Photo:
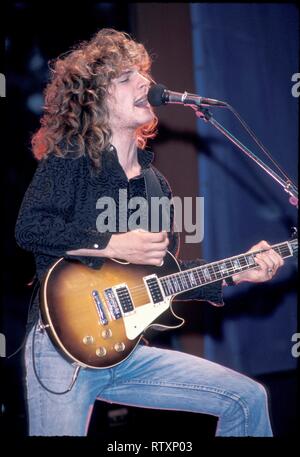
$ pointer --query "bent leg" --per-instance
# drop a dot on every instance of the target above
(166, 379)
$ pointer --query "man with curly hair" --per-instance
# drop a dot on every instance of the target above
(91, 144)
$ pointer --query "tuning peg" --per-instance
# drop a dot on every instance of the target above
(294, 233)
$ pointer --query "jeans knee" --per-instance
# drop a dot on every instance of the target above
(247, 411)
(249, 399)
(258, 394)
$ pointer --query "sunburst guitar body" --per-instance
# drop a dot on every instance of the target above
(97, 317)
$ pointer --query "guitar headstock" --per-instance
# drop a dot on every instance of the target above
(294, 233)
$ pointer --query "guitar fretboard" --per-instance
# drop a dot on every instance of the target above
(216, 271)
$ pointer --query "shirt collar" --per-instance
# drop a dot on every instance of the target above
(110, 157)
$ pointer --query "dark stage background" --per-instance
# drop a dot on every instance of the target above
(244, 54)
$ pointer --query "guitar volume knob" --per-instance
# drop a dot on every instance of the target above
(88, 339)
(101, 352)
(107, 333)
(119, 347)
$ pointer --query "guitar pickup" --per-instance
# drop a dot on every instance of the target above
(124, 298)
(154, 289)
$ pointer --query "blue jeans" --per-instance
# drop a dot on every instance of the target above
(150, 377)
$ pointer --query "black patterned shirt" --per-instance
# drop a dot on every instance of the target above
(59, 213)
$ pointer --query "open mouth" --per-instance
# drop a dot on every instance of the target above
(141, 102)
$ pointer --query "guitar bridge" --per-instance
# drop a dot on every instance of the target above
(100, 307)
(112, 304)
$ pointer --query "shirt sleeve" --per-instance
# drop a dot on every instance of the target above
(213, 293)
(45, 222)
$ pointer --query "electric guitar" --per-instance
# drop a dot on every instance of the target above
(97, 317)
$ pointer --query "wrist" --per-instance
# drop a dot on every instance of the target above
(109, 250)
(115, 246)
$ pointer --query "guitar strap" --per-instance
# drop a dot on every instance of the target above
(159, 216)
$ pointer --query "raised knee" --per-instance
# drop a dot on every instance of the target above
(250, 396)
(259, 394)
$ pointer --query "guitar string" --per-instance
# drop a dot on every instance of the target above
(183, 276)
(198, 270)
(142, 290)
(139, 291)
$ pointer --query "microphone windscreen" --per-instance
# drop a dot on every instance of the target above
(155, 95)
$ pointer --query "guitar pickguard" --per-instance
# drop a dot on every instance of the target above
(142, 317)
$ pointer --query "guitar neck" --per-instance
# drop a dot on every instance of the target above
(212, 272)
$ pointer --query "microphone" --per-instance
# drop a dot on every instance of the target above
(160, 95)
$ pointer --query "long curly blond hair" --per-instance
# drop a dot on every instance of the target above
(75, 118)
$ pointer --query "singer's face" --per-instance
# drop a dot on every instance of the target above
(127, 102)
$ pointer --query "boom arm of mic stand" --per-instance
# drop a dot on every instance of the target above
(288, 186)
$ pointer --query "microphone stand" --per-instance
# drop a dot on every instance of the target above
(287, 185)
